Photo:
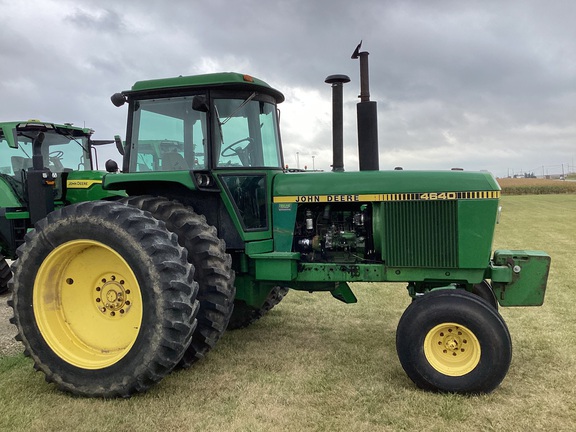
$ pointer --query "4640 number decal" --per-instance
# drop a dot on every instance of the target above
(439, 196)
(459, 195)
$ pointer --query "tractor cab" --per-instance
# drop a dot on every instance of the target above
(43, 166)
(65, 148)
(175, 134)
(217, 131)
(205, 122)
(57, 149)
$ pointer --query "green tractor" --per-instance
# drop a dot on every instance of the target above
(215, 230)
(65, 173)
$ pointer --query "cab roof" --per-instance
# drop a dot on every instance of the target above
(35, 124)
(11, 128)
(228, 80)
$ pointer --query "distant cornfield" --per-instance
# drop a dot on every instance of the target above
(532, 186)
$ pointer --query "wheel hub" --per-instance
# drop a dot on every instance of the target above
(452, 344)
(452, 349)
(112, 297)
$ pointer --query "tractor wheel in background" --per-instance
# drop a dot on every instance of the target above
(5, 275)
(103, 298)
(453, 341)
(244, 315)
(213, 271)
(484, 291)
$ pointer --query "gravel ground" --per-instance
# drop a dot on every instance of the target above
(8, 345)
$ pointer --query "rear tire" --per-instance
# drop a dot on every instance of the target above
(213, 271)
(104, 299)
(5, 275)
(453, 341)
(244, 315)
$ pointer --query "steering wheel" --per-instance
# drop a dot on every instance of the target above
(238, 151)
(55, 160)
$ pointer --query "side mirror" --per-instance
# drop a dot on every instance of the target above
(111, 166)
(118, 99)
(199, 103)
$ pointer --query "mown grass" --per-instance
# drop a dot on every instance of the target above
(316, 364)
(532, 186)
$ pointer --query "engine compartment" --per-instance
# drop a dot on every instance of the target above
(334, 232)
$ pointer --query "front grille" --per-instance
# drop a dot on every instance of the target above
(421, 233)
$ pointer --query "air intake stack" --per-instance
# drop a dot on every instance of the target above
(337, 82)
(367, 115)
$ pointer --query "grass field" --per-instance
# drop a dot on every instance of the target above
(316, 364)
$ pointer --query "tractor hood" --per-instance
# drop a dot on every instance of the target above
(351, 186)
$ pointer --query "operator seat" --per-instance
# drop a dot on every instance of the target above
(20, 163)
(173, 161)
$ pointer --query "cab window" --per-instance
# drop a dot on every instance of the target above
(168, 135)
(246, 133)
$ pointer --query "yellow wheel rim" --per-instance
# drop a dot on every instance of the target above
(87, 304)
(452, 349)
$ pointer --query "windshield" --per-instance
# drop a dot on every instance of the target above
(246, 133)
(167, 135)
(60, 152)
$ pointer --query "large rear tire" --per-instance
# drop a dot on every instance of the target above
(213, 271)
(104, 299)
(244, 315)
(5, 275)
(453, 341)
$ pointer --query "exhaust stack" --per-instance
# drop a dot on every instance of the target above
(367, 115)
(337, 82)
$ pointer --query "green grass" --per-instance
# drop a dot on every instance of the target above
(316, 364)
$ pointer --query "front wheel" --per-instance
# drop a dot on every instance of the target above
(484, 290)
(103, 298)
(453, 341)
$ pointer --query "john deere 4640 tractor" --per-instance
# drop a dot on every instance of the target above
(42, 166)
(110, 297)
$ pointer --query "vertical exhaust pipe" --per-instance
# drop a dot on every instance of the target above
(37, 159)
(40, 184)
(367, 115)
(337, 82)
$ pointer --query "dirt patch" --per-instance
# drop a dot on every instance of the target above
(8, 345)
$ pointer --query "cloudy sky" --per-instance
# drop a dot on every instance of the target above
(481, 85)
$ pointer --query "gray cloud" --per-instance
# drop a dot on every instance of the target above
(479, 84)
(105, 20)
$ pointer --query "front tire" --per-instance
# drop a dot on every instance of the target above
(103, 298)
(453, 341)
(484, 291)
